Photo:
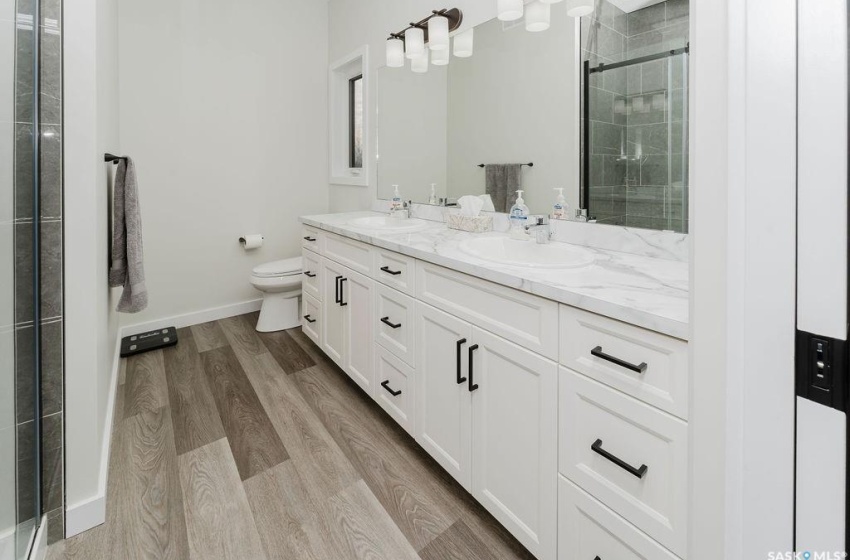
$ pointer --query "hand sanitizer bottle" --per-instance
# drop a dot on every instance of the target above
(518, 216)
(433, 198)
(396, 204)
(559, 210)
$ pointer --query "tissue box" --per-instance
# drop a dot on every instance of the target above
(472, 224)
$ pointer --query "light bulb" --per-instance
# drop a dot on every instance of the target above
(537, 15)
(510, 10)
(440, 58)
(438, 33)
(395, 53)
(579, 8)
(420, 63)
(463, 43)
(414, 42)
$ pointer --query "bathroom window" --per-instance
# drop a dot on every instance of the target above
(355, 122)
(349, 119)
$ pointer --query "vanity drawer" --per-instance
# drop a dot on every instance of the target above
(395, 388)
(355, 255)
(524, 319)
(395, 319)
(310, 237)
(587, 529)
(663, 381)
(599, 426)
(311, 281)
(396, 270)
(311, 318)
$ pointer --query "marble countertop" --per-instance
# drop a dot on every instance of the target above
(644, 291)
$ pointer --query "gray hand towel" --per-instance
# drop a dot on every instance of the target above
(501, 181)
(127, 252)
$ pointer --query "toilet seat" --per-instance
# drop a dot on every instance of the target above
(277, 269)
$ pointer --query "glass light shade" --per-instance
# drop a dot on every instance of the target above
(438, 33)
(440, 58)
(510, 10)
(414, 42)
(395, 53)
(579, 8)
(420, 63)
(537, 16)
(463, 43)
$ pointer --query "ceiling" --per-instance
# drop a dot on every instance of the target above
(632, 5)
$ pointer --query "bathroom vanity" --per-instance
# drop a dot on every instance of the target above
(554, 391)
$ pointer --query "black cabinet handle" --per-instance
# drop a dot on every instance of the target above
(337, 298)
(597, 558)
(386, 385)
(386, 321)
(308, 238)
(460, 343)
(600, 354)
(342, 292)
(309, 274)
(472, 385)
(639, 472)
(309, 320)
(388, 271)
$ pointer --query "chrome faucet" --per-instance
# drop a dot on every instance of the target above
(538, 226)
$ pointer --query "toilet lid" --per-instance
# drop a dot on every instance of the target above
(285, 267)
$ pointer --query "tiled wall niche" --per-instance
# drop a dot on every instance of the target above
(49, 223)
(638, 116)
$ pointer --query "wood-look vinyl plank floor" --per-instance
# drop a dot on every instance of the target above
(193, 410)
(218, 518)
(222, 448)
(253, 440)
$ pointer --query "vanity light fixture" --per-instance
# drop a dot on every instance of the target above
(438, 33)
(579, 8)
(510, 10)
(537, 16)
(440, 58)
(463, 43)
(420, 63)
(395, 52)
(432, 31)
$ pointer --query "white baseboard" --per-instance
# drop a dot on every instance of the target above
(90, 513)
(196, 318)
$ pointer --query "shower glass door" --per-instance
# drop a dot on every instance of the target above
(636, 167)
(20, 500)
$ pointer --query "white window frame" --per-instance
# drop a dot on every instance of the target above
(350, 66)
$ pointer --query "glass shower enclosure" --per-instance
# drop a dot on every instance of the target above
(20, 431)
(635, 135)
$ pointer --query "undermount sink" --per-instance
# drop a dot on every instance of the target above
(385, 223)
(513, 252)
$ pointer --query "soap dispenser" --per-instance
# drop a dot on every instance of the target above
(518, 216)
(395, 204)
(432, 200)
(559, 210)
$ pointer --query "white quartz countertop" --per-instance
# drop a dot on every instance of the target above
(644, 291)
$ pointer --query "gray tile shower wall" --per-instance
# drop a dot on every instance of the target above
(638, 114)
(50, 227)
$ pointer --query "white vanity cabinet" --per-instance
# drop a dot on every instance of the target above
(544, 412)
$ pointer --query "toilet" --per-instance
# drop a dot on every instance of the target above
(280, 282)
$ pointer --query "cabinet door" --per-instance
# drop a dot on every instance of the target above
(357, 292)
(515, 439)
(333, 323)
(442, 404)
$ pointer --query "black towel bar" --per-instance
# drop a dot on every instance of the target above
(530, 164)
(111, 158)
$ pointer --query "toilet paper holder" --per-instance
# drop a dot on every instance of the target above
(244, 241)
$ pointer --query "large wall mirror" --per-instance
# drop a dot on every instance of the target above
(523, 97)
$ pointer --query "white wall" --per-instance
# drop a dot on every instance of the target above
(355, 23)
(224, 110)
(91, 128)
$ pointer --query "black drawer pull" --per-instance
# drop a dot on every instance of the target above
(309, 274)
(336, 292)
(600, 354)
(386, 385)
(460, 343)
(342, 292)
(309, 319)
(310, 239)
(388, 271)
(472, 385)
(386, 321)
(597, 448)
